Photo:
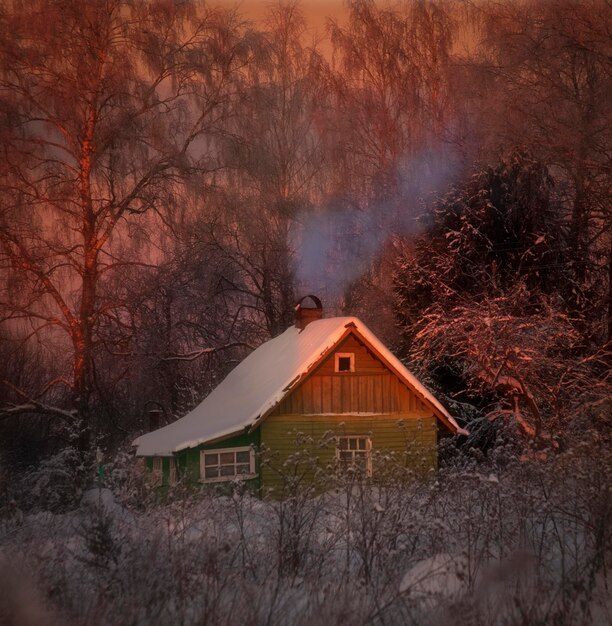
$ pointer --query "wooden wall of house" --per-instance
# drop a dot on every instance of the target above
(370, 401)
(188, 460)
(371, 388)
(411, 439)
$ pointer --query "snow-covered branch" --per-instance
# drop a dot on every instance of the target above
(196, 354)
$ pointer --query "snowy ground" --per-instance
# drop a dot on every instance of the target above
(517, 543)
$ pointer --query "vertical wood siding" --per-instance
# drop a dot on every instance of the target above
(351, 393)
(371, 388)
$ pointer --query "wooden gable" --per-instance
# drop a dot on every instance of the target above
(371, 388)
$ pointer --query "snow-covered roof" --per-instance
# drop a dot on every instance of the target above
(259, 383)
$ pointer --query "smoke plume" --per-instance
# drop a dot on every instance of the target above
(336, 243)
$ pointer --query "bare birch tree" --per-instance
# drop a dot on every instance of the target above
(105, 106)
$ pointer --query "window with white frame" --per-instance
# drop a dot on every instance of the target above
(344, 362)
(157, 471)
(355, 452)
(227, 464)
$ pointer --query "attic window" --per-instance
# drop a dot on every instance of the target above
(344, 362)
(227, 464)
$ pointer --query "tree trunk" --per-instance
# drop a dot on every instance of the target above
(83, 332)
(610, 295)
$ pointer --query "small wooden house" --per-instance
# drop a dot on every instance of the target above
(320, 376)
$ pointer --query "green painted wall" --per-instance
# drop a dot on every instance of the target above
(188, 460)
(412, 438)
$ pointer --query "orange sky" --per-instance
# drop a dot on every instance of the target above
(315, 11)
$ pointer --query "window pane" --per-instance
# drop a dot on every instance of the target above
(362, 444)
(346, 456)
(227, 458)
(343, 443)
(228, 470)
(243, 469)
(353, 444)
(211, 472)
(211, 459)
(344, 364)
(243, 457)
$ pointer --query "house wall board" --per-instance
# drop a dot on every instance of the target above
(371, 388)
(188, 460)
(411, 437)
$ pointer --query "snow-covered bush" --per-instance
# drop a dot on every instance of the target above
(127, 478)
(486, 540)
(57, 483)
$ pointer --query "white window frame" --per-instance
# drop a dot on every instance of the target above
(344, 355)
(157, 471)
(219, 451)
(367, 451)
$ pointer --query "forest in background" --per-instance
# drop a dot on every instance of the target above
(173, 178)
